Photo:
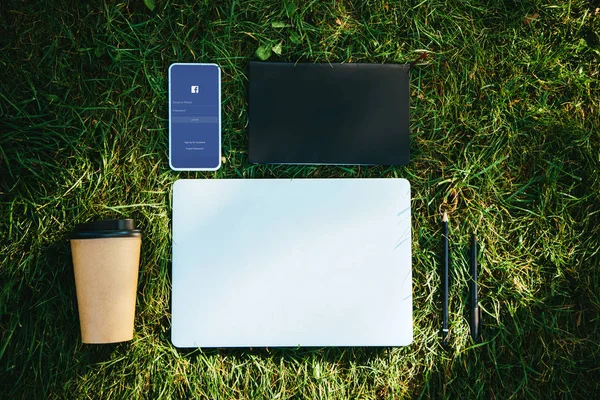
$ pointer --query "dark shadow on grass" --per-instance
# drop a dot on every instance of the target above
(475, 363)
(43, 326)
(344, 357)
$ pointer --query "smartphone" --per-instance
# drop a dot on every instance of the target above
(194, 117)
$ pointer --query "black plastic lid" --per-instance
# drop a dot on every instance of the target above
(107, 228)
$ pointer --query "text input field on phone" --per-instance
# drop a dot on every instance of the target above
(189, 109)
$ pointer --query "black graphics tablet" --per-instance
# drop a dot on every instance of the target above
(328, 113)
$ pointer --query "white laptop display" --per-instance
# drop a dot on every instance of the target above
(306, 262)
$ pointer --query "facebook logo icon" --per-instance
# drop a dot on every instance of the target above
(195, 89)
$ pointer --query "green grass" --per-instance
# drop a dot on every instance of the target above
(504, 133)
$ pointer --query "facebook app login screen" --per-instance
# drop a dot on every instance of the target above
(194, 116)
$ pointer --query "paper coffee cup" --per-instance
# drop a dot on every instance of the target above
(106, 258)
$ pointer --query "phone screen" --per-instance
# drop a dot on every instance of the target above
(194, 117)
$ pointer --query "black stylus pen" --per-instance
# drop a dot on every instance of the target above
(445, 280)
(475, 311)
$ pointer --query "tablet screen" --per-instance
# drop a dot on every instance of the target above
(329, 113)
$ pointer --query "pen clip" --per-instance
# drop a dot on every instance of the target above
(479, 321)
(476, 324)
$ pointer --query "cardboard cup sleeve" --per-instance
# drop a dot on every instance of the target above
(106, 258)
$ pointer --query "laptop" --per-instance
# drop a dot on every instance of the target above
(302, 262)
